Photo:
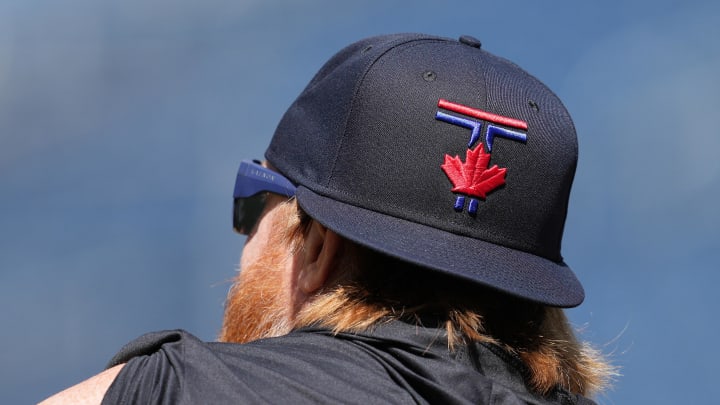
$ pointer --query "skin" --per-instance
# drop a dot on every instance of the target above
(304, 273)
(90, 391)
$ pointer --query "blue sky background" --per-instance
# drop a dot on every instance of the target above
(122, 124)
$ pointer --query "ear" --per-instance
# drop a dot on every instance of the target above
(320, 256)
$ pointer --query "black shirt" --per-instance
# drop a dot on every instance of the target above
(395, 363)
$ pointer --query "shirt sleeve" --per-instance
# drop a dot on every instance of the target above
(153, 371)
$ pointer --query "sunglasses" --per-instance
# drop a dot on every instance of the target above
(252, 184)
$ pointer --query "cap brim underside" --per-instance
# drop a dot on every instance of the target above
(513, 271)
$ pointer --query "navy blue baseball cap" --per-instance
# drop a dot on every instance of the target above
(439, 153)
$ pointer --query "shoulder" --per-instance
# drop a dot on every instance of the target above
(308, 367)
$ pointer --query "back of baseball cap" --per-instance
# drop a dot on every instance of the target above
(439, 153)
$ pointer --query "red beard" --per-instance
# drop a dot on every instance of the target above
(259, 304)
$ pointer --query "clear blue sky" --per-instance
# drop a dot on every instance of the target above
(122, 124)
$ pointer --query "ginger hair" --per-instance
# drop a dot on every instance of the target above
(368, 288)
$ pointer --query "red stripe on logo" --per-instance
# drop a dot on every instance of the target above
(483, 115)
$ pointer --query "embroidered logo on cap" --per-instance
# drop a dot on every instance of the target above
(474, 178)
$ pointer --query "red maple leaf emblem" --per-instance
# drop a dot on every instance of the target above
(473, 178)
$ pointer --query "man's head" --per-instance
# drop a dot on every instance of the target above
(415, 175)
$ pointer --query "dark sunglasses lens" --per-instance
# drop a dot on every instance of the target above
(247, 212)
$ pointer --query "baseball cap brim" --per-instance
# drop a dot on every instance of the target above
(512, 271)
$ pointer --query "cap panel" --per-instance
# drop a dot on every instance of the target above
(308, 136)
(545, 166)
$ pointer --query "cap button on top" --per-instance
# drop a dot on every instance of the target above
(470, 41)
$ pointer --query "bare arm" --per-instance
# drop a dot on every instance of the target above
(90, 391)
